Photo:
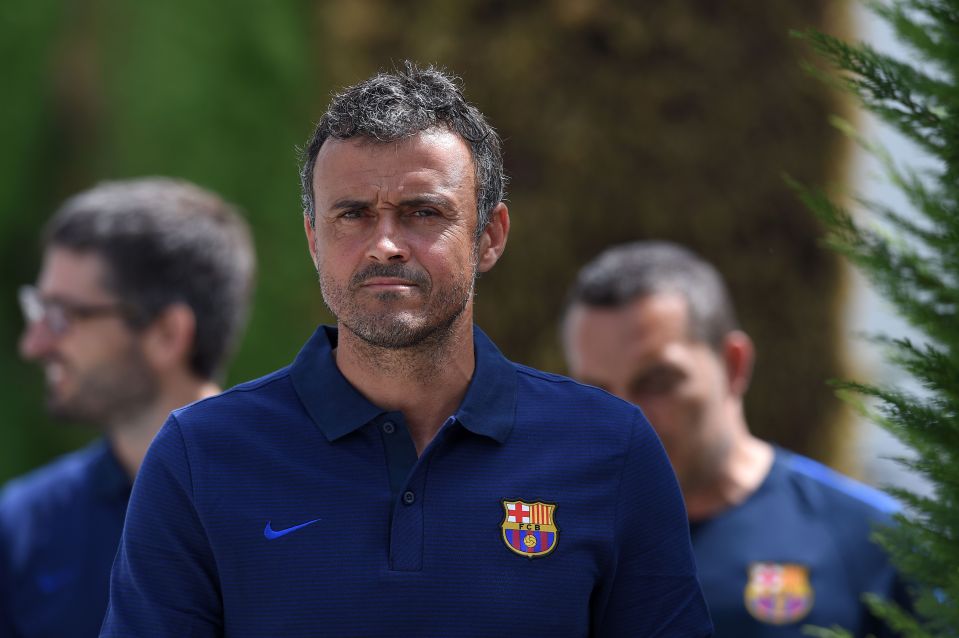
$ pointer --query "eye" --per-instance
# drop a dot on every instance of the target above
(351, 214)
(423, 212)
(656, 382)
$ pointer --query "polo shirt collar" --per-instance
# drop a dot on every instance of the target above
(489, 406)
(337, 408)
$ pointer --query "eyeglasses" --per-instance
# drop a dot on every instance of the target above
(59, 315)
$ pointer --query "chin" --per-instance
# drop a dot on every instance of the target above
(393, 338)
(62, 409)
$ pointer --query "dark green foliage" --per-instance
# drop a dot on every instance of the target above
(914, 262)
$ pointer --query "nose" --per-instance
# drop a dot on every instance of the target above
(36, 341)
(388, 244)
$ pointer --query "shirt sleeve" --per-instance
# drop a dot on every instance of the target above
(652, 589)
(164, 581)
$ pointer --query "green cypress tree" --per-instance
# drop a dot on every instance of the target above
(912, 257)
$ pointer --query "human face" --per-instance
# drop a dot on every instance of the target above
(394, 240)
(642, 352)
(95, 368)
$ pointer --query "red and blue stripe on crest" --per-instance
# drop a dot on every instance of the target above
(544, 540)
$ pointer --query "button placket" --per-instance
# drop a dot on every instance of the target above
(400, 452)
(406, 535)
(407, 532)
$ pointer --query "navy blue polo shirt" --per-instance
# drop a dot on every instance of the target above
(59, 530)
(797, 552)
(292, 506)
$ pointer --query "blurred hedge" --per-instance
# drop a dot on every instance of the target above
(621, 121)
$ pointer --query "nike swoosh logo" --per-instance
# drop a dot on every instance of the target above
(272, 534)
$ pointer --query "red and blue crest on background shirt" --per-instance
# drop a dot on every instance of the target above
(778, 593)
(529, 529)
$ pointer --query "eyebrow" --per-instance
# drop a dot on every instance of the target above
(349, 204)
(438, 201)
(428, 199)
(61, 298)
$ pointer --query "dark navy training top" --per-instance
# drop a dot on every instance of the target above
(292, 506)
(59, 530)
(796, 552)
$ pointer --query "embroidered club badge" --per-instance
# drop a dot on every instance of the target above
(778, 593)
(529, 529)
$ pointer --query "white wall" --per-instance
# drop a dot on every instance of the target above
(866, 311)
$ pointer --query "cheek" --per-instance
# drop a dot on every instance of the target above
(676, 416)
(452, 241)
(664, 414)
(340, 241)
(334, 262)
(447, 261)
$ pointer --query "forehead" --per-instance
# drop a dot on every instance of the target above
(606, 338)
(432, 160)
(71, 274)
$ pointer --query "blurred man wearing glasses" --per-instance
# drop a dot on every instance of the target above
(143, 292)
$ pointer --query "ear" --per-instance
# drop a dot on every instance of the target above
(493, 240)
(310, 237)
(738, 356)
(168, 340)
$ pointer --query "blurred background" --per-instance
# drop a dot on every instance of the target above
(621, 121)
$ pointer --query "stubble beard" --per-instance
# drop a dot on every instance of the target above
(705, 465)
(108, 395)
(402, 330)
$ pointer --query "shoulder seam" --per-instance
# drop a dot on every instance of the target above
(845, 485)
(248, 386)
(542, 374)
(175, 423)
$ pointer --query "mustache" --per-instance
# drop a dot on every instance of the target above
(397, 271)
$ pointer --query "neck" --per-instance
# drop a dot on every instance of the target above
(736, 476)
(131, 438)
(425, 382)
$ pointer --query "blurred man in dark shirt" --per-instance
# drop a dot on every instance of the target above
(780, 540)
(142, 295)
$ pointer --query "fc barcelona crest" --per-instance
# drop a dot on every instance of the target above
(529, 528)
(778, 593)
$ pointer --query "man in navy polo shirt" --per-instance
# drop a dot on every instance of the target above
(780, 540)
(402, 478)
(143, 292)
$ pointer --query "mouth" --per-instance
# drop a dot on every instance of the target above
(54, 373)
(390, 279)
(55, 377)
(387, 283)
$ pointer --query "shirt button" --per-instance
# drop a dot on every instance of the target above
(408, 497)
(389, 427)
